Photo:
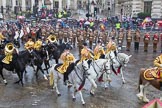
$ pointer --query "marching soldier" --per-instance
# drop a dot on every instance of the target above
(9, 48)
(99, 51)
(129, 39)
(68, 64)
(74, 38)
(90, 39)
(113, 34)
(85, 53)
(136, 40)
(65, 35)
(80, 43)
(146, 40)
(120, 39)
(155, 41)
(60, 36)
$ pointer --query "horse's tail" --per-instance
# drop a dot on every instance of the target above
(51, 76)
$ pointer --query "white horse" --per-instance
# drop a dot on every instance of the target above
(77, 77)
(118, 62)
(102, 72)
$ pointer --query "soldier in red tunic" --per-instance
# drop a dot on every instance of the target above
(146, 40)
(155, 40)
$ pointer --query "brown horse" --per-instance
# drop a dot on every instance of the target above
(148, 77)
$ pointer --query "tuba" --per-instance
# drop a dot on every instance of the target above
(52, 38)
(9, 48)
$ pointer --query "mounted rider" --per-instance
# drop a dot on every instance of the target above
(29, 45)
(99, 51)
(111, 46)
(38, 44)
(158, 64)
(68, 64)
(86, 53)
(9, 48)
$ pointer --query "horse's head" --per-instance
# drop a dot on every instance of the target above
(86, 65)
(124, 58)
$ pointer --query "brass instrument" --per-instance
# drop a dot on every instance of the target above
(52, 38)
(9, 47)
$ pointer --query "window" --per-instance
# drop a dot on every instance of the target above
(147, 6)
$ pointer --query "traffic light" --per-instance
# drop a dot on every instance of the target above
(15, 10)
(2, 9)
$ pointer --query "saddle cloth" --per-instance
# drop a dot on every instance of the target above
(152, 73)
(59, 68)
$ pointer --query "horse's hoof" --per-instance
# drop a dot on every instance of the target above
(59, 95)
(74, 99)
(123, 82)
(106, 88)
(6, 83)
(140, 97)
(92, 94)
(146, 100)
(83, 103)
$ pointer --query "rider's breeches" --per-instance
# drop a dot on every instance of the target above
(68, 71)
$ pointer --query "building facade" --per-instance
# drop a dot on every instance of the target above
(133, 7)
(25, 5)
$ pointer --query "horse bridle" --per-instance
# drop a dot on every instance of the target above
(105, 69)
(85, 73)
(119, 61)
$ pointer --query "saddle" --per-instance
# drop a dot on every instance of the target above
(57, 68)
(152, 74)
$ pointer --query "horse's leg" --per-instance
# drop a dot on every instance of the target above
(145, 99)
(57, 91)
(74, 93)
(122, 76)
(81, 97)
(141, 94)
(93, 87)
(47, 65)
(4, 80)
(21, 79)
(40, 68)
(56, 60)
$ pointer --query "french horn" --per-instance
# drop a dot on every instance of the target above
(52, 38)
(9, 47)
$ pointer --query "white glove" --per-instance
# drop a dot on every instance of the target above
(161, 65)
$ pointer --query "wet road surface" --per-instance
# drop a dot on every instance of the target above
(38, 93)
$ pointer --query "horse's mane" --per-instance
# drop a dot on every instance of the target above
(22, 54)
(122, 55)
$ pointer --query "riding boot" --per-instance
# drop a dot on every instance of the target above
(161, 85)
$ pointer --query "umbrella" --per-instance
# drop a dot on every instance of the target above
(59, 20)
(44, 6)
(20, 17)
(87, 23)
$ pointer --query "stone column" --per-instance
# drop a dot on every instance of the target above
(60, 5)
(52, 3)
(4, 5)
(13, 4)
(23, 5)
(32, 4)
(68, 4)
